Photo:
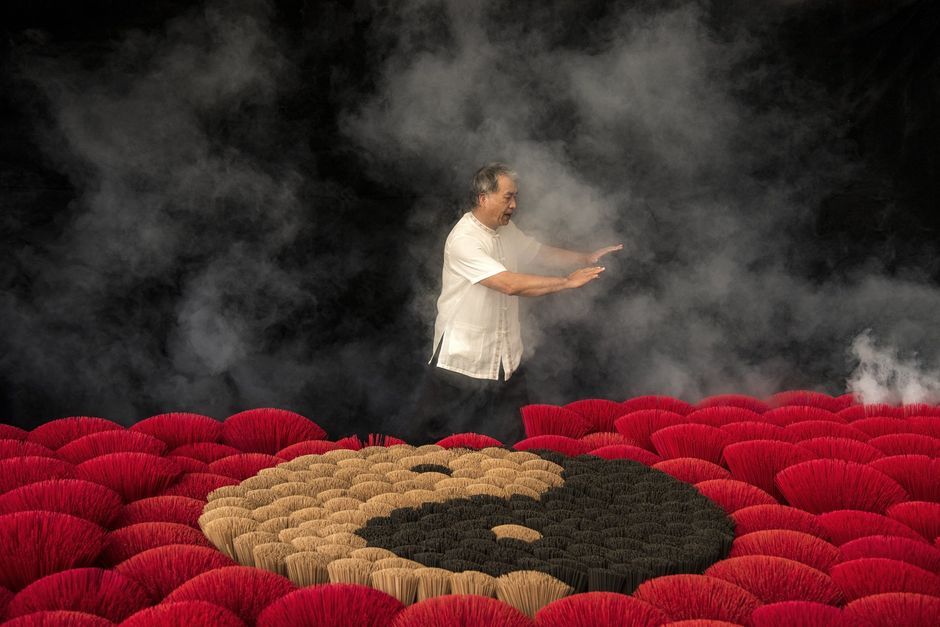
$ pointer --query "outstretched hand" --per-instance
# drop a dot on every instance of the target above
(583, 275)
(595, 256)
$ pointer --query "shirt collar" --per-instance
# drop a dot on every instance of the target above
(474, 219)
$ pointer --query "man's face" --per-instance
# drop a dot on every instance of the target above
(497, 207)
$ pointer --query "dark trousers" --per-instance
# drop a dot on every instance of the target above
(449, 402)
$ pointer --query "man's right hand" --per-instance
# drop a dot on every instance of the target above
(582, 276)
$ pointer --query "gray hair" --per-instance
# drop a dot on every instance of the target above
(486, 180)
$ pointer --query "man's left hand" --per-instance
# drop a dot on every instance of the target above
(594, 257)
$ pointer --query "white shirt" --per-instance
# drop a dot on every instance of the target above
(479, 325)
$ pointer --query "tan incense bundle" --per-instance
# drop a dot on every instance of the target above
(350, 570)
(543, 465)
(367, 489)
(341, 503)
(395, 562)
(374, 509)
(359, 462)
(300, 463)
(532, 483)
(270, 556)
(275, 471)
(307, 568)
(473, 582)
(432, 582)
(505, 464)
(223, 531)
(411, 461)
(425, 449)
(409, 484)
(428, 480)
(275, 525)
(344, 537)
(332, 528)
(399, 474)
(314, 526)
(373, 451)
(364, 477)
(322, 484)
(260, 482)
(503, 473)
(295, 502)
(552, 479)
(292, 533)
(302, 476)
(471, 472)
(267, 512)
(444, 494)
(245, 545)
(305, 542)
(470, 460)
(335, 551)
(223, 512)
(384, 467)
(318, 471)
(496, 451)
(349, 516)
(530, 590)
(308, 513)
(398, 582)
(226, 491)
(437, 495)
(517, 532)
(499, 482)
(333, 493)
(261, 496)
(294, 488)
(414, 498)
(228, 501)
(372, 553)
(521, 457)
(340, 453)
(349, 474)
(398, 453)
(456, 482)
(392, 498)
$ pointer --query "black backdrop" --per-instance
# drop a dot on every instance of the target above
(223, 205)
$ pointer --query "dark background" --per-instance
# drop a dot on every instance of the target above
(215, 206)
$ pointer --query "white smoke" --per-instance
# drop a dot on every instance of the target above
(638, 136)
(884, 376)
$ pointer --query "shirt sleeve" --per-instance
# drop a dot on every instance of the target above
(527, 245)
(468, 259)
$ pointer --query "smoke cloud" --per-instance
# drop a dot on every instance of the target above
(183, 276)
(655, 128)
(882, 376)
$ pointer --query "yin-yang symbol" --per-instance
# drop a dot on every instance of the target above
(592, 523)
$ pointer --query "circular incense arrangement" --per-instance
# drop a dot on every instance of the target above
(527, 527)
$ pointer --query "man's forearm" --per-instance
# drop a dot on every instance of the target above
(538, 285)
(560, 258)
(518, 284)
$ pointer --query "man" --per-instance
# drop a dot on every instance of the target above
(474, 383)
